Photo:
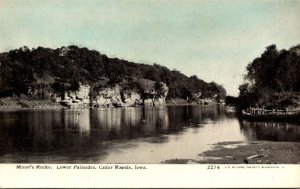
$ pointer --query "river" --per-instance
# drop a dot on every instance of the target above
(127, 135)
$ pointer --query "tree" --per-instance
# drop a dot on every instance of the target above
(272, 73)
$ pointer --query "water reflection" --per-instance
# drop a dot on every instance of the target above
(120, 135)
(271, 131)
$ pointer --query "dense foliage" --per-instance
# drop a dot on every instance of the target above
(63, 68)
(271, 78)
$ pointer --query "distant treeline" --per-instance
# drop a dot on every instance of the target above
(21, 68)
(272, 80)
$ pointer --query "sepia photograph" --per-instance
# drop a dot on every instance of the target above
(142, 85)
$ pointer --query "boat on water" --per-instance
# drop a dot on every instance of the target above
(274, 115)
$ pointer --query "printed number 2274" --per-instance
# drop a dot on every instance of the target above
(213, 167)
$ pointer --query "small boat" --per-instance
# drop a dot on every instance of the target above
(265, 115)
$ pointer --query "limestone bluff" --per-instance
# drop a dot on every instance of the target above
(76, 76)
(150, 93)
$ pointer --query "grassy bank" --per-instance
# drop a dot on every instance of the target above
(11, 104)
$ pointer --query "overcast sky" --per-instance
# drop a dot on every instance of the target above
(214, 40)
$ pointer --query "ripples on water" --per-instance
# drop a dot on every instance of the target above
(126, 135)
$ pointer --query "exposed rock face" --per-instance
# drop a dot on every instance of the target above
(158, 101)
(132, 98)
(108, 97)
(155, 95)
(196, 96)
(80, 97)
(152, 95)
(83, 93)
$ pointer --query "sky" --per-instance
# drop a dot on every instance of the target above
(213, 39)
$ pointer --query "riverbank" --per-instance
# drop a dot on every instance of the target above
(16, 104)
(258, 152)
(10, 104)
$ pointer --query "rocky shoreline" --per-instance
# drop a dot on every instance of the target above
(49, 105)
(256, 152)
(150, 93)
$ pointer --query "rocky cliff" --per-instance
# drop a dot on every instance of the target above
(150, 93)
(44, 73)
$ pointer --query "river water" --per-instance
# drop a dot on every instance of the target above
(127, 135)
